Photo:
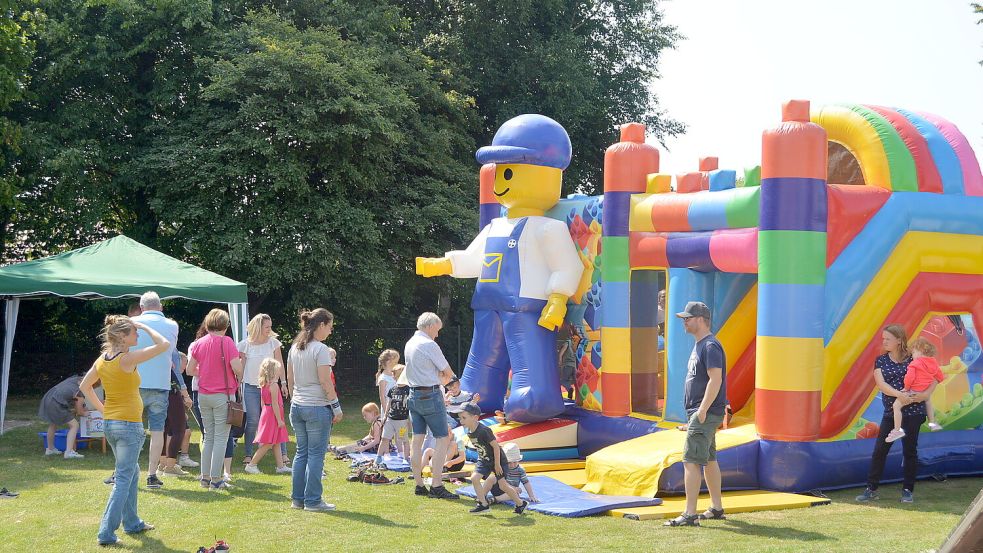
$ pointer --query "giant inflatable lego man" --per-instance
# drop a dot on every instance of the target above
(527, 267)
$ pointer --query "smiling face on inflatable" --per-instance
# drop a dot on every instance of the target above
(518, 185)
(530, 152)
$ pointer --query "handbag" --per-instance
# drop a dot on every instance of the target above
(235, 414)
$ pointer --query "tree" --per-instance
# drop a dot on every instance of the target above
(589, 64)
(18, 21)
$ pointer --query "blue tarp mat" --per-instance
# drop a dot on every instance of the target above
(559, 499)
(393, 462)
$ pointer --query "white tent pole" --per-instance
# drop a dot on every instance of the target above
(11, 307)
(239, 317)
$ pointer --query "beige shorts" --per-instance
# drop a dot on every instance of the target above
(395, 429)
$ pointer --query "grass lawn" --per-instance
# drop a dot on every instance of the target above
(61, 504)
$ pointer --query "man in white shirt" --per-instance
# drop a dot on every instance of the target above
(527, 268)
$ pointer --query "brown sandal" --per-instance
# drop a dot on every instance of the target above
(713, 514)
(683, 520)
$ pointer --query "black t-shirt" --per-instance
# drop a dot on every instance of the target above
(481, 438)
(398, 396)
(707, 353)
(893, 374)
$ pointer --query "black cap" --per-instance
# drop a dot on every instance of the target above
(471, 408)
(695, 309)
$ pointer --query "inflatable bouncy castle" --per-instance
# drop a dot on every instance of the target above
(801, 272)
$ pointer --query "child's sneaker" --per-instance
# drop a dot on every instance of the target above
(934, 426)
(50, 452)
(72, 454)
(227, 477)
(186, 461)
(252, 469)
(894, 435)
(479, 508)
(220, 485)
(907, 496)
(111, 480)
(519, 509)
(284, 470)
(421, 490)
(154, 483)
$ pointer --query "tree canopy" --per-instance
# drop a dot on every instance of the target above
(310, 148)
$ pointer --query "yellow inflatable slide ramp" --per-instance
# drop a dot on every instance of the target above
(734, 502)
(633, 467)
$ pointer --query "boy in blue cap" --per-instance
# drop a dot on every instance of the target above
(527, 268)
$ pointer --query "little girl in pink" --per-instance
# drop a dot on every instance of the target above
(922, 370)
(272, 429)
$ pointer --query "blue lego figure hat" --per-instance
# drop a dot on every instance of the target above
(531, 139)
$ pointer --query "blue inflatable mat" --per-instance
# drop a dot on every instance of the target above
(559, 499)
(393, 462)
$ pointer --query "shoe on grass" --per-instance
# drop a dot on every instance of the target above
(421, 490)
(220, 485)
(297, 504)
(50, 452)
(284, 470)
(440, 492)
(479, 508)
(521, 508)
(72, 454)
(868, 495)
(7, 494)
(154, 483)
(321, 507)
(110, 480)
(252, 469)
(174, 471)
(187, 462)
(907, 496)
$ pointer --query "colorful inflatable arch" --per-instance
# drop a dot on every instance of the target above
(801, 274)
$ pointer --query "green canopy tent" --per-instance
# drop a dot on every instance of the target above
(115, 268)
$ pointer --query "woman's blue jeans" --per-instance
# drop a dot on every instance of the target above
(312, 426)
(126, 440)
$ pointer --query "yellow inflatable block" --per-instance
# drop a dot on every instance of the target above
(772, 372)
(734, 502)
(634, 467)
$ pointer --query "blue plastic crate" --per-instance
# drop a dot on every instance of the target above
(61, 436)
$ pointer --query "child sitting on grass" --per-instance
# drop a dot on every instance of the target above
(921, 371)
(370, 412)
(272, 429)
(455, 459)
(488, 470)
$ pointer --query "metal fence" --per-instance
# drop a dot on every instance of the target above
(359, 348)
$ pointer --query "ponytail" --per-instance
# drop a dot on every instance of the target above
(309, 322)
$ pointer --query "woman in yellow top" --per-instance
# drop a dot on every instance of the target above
(123, 417)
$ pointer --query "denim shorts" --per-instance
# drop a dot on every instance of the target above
(155, 404)
(484, 468)
(701, 439)
(427, 411)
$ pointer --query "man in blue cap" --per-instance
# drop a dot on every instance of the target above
(527, 268)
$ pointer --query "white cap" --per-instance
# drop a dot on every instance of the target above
(512, 452)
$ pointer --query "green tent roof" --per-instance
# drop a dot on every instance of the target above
(115, 268)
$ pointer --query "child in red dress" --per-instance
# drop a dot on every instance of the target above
(921, 371)
(272, 429)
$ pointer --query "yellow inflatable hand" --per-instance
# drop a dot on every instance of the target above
(433, 266)
(554, 312)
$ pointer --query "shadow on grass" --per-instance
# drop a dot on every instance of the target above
(253, 490)
(518, 521)
(368, 518)
(945, 497)
(782, 532)
(150, 543)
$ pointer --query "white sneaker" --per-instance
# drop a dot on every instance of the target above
(895, 435)
(284, 470)
(252, 469)
(227, 477)
(72, 454)
(934, 426)
(50, 452)
(186, 461)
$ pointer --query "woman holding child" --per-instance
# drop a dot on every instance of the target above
(889, 374)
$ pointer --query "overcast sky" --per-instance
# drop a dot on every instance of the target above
(741, 60)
